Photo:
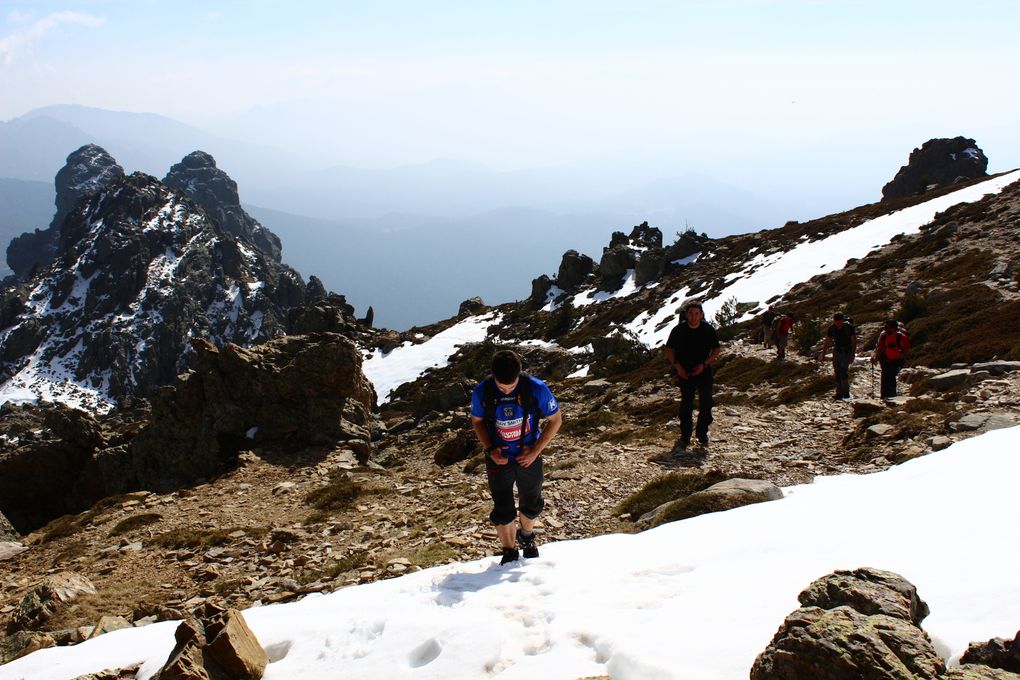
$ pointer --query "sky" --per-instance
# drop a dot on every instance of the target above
(700, 598)
(736, 88)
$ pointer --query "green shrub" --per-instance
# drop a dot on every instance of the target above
(617, 354)
(807, 333)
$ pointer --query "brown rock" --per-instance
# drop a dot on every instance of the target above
(46, 599)
(843, 644)
(236, 649)
(869, 591)
(23, 642)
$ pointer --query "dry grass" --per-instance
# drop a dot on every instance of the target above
(668, 487)
(129, 524)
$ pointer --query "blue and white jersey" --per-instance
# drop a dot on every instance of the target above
(510, 417)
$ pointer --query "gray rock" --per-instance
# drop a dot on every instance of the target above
(978, 672)
(997, 367)
(725, 495)
(969, 422)
(950, 379)
(939, 442)
(7, 532)
(9, 549)
(540, 288)
(108, 624)
(878, 431)
(614, 265)
(574, 269)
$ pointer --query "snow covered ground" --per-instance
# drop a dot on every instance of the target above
(697, 599)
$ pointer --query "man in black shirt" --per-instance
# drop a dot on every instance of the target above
(842, 334)
(692, 348)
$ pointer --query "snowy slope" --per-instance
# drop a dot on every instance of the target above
(693, 599)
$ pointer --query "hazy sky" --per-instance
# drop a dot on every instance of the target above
(737, 84)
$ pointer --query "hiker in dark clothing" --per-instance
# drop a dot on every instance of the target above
(768, 317)
(891, 352)
(692, 348)
(843, 337)
(505, 410)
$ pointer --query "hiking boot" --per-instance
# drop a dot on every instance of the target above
(681, 446)
(527, 544)
(510, 555)
(703, 439)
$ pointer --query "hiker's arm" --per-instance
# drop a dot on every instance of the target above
(853, 345)
(552, 426)
(676, 366)
(478, 425)
(825, 348)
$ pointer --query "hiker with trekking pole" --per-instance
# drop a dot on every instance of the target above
(843, 337)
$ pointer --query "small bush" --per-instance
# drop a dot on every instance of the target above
(193, 538)
(134, 522)
(338, 495)
(808, 333)
(667, 488)
(618, 354)
(911, 307)
(432, 554)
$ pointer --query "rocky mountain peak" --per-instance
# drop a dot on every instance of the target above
(87, 170)
(198, 177)
(938, 163)
(139, 269)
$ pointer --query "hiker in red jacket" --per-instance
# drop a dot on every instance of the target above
(781, 333)
(891, 352)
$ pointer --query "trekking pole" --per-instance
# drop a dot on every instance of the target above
(872, 381)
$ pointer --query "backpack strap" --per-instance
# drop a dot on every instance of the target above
(490, 393)
(528, 403)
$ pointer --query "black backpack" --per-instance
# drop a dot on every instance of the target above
(525, 397)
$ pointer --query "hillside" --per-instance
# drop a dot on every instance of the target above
(401, 488)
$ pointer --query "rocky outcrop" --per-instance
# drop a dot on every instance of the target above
(198, 177)
(471, 306)
(835, 640)
(327, 314)
(574, 269)
(613, 266)
(7, 532)
(87, 170)
(43, 602)
(997, 653)
(938, 163)
(41, 460)
(290, 393)
(216, 644)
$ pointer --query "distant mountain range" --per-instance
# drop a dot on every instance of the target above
(453, 228)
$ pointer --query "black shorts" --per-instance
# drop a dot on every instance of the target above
(501, 487)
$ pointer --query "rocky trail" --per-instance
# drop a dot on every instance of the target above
(270, 532)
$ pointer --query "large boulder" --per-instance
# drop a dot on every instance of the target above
(938, 163)
(574, 269)
(725, 495)
(42, 602)
(613, 266)
(855, 625)
(844, 644)
(216, 644)
(869, 591)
